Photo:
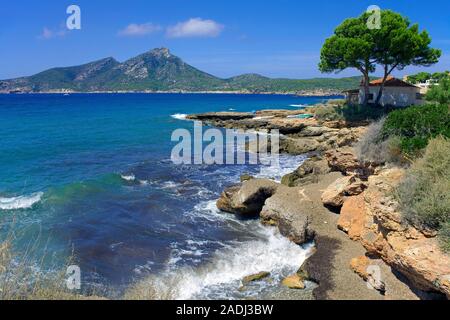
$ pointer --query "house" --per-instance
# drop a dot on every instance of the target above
(396, 93)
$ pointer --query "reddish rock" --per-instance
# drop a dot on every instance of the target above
(352, 217)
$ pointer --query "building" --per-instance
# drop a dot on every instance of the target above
(396, 92)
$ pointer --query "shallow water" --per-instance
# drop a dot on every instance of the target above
(91, 174)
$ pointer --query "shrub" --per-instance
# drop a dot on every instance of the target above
(424, 195)
(440, 93)
(327, 113)
(415, 126)
(349, 113)
(373, 149)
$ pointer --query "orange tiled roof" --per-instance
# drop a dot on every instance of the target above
(390, 82)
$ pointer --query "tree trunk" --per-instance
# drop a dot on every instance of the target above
(380, 92)
(366, 89)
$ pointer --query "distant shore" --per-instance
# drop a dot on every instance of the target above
(299, 94)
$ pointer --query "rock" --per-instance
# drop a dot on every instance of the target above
(352, 217)
(294, 282)
(299, 146)
(285, 210)
(336, 193)
(248, 198)
(221, 116)
(412, 253)
(342, 160)
(307, 173)
(369, 271)
(246, 177)
(255, 277)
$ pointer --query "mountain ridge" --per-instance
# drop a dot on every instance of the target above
(158, 70)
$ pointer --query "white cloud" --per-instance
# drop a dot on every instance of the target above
(138, 30)
(195, 27)
(48, 34)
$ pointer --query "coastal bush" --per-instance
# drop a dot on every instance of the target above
(415, 126)
(327, 113)
(440, 93)
(350, 113)
(424, 195)
(372, 148)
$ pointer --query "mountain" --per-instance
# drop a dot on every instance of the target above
(159, 70)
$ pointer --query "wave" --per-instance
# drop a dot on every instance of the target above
(179, 116)
(221, 277)
(298, 105)
(128, 177)
(21, 202)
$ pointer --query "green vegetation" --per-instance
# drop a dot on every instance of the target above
(349, 113)
(395, 45)
(423, 77)
(415, 126)
(440, 93)
(424, 194)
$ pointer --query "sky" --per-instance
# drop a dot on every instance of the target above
(276, 38)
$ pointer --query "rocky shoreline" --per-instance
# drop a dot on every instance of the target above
(362, 248)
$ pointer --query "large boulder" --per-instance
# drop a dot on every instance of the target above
(352, 217)
(307, 173)
(247, 198)
(285, 210)
(299, 146)
(336, 193)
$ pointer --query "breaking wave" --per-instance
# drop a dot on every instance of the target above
(21, 202)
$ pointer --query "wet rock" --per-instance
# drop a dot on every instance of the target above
(246, 177)
(294, 282)
(248, 198)
(285, 210)
(255, 277)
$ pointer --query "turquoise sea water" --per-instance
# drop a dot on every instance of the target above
(91, 175)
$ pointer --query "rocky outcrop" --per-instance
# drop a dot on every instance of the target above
(344, 160)
(351, 220)
(377, 224)
(338, 191)
(308, 172)
(248, 198)
(221, 116)
(277, 205)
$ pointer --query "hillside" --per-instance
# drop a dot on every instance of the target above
(159, 70)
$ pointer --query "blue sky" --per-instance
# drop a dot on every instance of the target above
(279, 38)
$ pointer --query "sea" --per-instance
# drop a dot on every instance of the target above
(89, 178)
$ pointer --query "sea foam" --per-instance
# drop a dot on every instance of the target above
(21, 202)
(179, 116)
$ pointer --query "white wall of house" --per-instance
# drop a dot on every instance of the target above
(394, 96)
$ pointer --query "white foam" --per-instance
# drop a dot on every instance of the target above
(298, 105)
(128, 177)
(179, 116)
(22, 202)
(222, 276)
